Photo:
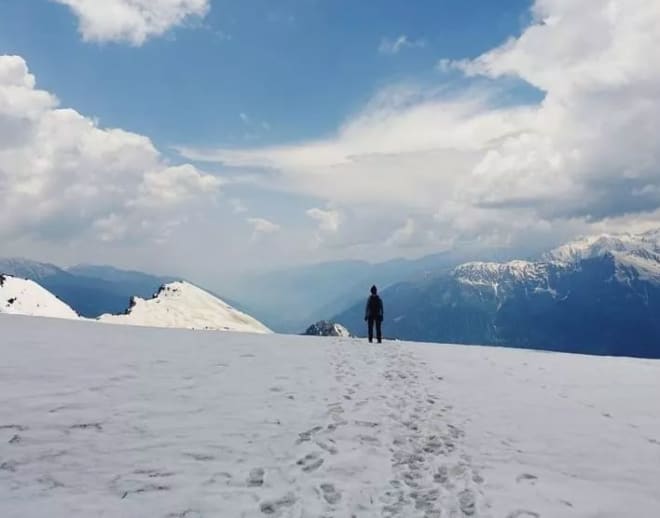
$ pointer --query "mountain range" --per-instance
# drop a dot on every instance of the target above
(596, 295)
(311, 293)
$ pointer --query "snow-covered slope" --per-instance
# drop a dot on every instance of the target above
(495, 274)
(25, 297)
(182, 305)
(133, 422)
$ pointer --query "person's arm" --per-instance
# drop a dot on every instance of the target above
(366, 311)
(381, 309)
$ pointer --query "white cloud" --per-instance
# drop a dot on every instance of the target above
(396, 45)
(409, 235)
(262, 227)
(328, 225)
(328, 220)
(132, 21)
(484, 169)
(63, 177)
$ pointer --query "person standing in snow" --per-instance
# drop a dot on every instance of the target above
(373, 314)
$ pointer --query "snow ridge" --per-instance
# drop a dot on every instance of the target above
(598, 245)
(183, 305)
(635, 256)
(25, 297)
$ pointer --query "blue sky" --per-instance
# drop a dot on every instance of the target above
(209, 137)
(300, 66)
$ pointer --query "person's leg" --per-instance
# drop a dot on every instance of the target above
(371, 330)
(379, 331)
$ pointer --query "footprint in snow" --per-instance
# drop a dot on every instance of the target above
(328, 446)
(201, 457)
(87, 426)
(527, 477)
(467, 502)
(442, 475)
(310, 462)
(521, 513)
(256, 478)
(330, 493)
(307, 435)
(274, 506)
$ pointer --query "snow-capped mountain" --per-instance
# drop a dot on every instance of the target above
(598, 245)
(182, 305)
(26, 297)
(325, 328)
(599, 294)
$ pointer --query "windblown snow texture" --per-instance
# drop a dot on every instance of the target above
(133, 422)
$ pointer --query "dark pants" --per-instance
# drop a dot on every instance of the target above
(379, 332)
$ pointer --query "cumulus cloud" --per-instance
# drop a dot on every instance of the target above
(132, 21)
(262, 227)
(395, 45)
(485, 169)
(62, 176)
(328, 220)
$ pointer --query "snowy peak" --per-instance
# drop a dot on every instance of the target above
(590, 247)
(25, 297)
(182, 305)
(635, 256)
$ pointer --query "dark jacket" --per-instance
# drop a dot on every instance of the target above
(374, 309)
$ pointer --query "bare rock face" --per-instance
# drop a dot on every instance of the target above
(326, 328)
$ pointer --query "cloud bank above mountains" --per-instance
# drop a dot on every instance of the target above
(470, 165)
(421, 168)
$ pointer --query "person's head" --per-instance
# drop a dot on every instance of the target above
(374, 290)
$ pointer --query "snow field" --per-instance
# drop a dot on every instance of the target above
(129, 421)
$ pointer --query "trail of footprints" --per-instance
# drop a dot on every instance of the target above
(431, 476)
